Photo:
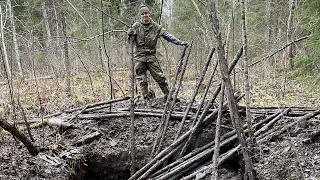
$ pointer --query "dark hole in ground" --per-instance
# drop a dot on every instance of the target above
(107, 166)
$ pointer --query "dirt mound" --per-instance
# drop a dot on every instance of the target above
(294, 155)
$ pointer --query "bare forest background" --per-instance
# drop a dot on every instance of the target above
(81, 46)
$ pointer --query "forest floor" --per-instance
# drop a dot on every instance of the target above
(291, 156)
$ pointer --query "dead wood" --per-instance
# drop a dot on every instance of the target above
(187, 161)
(151, 111)
(126, 114)
(205, 170)
(159, 163)
(168, 104)
(182, 159)
(87, 139)
(231, 133)
(132, 106)
(196, 90)
(277, 133)
(166, 116)
(217, 137)
(96, 104)
(272, 122)
(31, 148)
(161, 155)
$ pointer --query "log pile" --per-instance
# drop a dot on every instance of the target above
(198, 160)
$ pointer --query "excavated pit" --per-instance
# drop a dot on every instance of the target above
(109, 166)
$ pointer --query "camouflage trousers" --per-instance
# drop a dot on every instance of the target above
(141, 69)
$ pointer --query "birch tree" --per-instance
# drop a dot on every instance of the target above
(289, 32)
(14, 39)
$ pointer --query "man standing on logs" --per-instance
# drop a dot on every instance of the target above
(146, 33)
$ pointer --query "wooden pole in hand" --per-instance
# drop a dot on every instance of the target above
(132, 146)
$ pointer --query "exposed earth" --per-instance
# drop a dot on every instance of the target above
(294, 155)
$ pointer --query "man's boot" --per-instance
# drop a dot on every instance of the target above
(165, 90)
(145, 91)
(147, 95)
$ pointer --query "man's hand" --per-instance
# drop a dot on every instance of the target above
(184, 43)
(130, 32)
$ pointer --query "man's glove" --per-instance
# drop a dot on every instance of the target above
(184, 43)
(130, 32)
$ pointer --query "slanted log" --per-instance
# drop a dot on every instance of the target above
(31, 148)
(277, 133)
(87, 139)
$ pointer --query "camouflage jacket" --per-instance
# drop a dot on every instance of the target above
(146, 40)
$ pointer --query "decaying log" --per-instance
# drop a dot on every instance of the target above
(161, 155)
(187, 161)
(126, 114)
(277, 133)
(87, 139)
(151, 111)
(96, 104)
(31, 148)
(207, 169)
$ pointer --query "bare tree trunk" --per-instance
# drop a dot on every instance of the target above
(14, 39)
(205, 31)
(6, 59)
(268, 26)
(246, 67)
(66, 53)
(234, 114)
(289, 33)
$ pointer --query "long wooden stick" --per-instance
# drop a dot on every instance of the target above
(132, 132)
(167, 105)
(217, 137)
(202, 74)
(166, 124)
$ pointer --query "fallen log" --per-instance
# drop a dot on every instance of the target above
(126, 114)
(167, 150)
(222, 158)
(96, 104)
(161, 155)
(87, 139)
(31, 148)
(179, 166)
(277, 133)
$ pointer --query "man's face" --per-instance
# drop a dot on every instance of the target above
(145, 17)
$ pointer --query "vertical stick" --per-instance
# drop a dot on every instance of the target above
(132, 144)
(246, 67)
(217, 137)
